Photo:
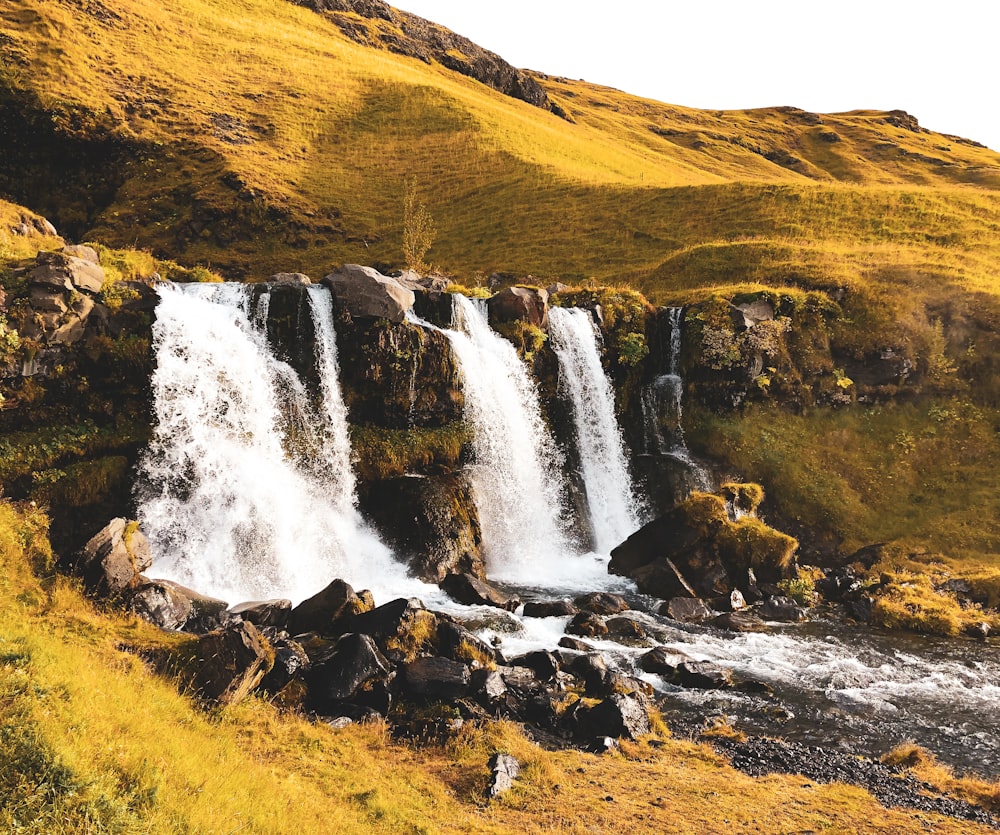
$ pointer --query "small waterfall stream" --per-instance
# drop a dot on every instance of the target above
(662, 408)
(610, 495)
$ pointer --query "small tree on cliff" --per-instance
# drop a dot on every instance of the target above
(418, 228)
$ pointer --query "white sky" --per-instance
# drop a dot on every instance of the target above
(938, 61)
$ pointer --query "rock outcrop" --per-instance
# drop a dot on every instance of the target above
(364, 293)
(114, 558)
(697, 550)
(406, 34)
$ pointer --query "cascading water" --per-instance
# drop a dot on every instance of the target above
(611, 497)
(246, 491)
(517, 475)
(662, 406)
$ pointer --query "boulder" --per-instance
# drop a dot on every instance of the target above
(464, 588)
(290, 662)
(434, 679)
(289, 278)
(354, 663)
(172, 606)
(327, 611)
(686, 610)
(363, 292)
(112, 560)
(542, 663)
(625, 629)
(745, 621)
(431, 522)
(519, 304)
(591, 669)
(504, 770)
(459, 644)
(549, 609)
(264, 612)
(587, 625)
(487, 687)
(617, 716)
(696, 550)
(703, 675)
(60, 271)
(664, 661)
(602, 603)
(782, 609)
(401, 628)
(566, 642)
(82, 252)
(234, 660)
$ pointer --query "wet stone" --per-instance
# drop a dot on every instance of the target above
(587, 625)
(602, 603)
(549, 609)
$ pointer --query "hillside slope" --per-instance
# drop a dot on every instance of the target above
(255, 136)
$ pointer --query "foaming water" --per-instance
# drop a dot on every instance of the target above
(611, 497)
(517, 470)
(245, 490)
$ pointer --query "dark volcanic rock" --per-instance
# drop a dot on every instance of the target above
(625, 629)
(696, 550)
(459, 644)
(549, 609)
(663, 661)
(233, 662)
(616, 716)
(354, 663)
(172, 606)
(401, 627)
(602, 603)
(434, 679)
(703, 675)
(290, 661)
(541, 662)
(327, 611)
(431, 522)
(587, 625)
(686, 609)
(472, 591)
(782, 609)
(264, 612)
(744, 621)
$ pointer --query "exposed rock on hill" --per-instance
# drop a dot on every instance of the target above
(374, 23)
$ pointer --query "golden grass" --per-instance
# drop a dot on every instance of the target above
(923, 765)
(93, 741)
(328, 131)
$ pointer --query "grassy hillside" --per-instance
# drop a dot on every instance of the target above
(94, 741)
(253, 135)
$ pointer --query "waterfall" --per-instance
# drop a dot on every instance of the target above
(662, 405)
(245, 490)
(517, 466)
(610, 495)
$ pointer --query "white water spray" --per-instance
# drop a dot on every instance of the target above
(604, 467)
(517, 473)
(245, 490)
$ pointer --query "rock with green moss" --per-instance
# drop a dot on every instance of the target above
(113, 559)
(697, 550)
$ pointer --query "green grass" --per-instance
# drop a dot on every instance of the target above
(922, 474)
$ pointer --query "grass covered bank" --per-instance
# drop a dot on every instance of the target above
(93, 741)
